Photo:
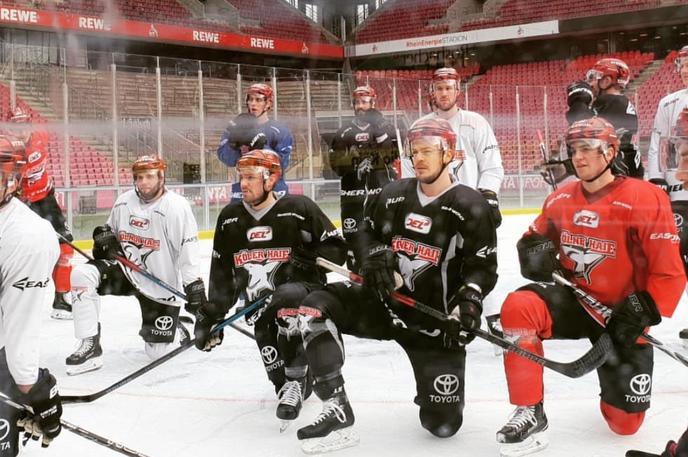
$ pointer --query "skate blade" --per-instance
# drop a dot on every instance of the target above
(534, 443)
(339, 439)
(89, 365)
(61, 314)
(284, 425)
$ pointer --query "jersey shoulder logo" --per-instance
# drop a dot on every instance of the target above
(418, 223)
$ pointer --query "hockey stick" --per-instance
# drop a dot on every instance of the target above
(594, 358)
(108, 443)
(131, 265)
(606, 313)
(67, 399)
(545, 159)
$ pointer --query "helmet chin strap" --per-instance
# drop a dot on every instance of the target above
(609, 165)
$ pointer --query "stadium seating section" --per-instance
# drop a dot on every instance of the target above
(270, 18)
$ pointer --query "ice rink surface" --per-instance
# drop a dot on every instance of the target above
(221, 403)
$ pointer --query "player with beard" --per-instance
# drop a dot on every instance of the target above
(481, 167)
(155, 229)
(265, 246)
(255, 130)
(28, 252)
(614, 237)
(666, 125)
(362, 154)
(439, 235)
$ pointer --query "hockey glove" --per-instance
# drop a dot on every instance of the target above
(630, 318)
(661, 183)
(466, 306)
(673, 449)
(195, 296)
(105, 244)
(378, 268)
(538, 257)
(47, 409)
(303, 260)
(579, 92)
(206, 317)
(492, 200)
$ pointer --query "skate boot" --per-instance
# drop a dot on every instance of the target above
(290, 397)
(332, 429)
(87, 357)
(523, 434)
(62, 308)
(683, 335)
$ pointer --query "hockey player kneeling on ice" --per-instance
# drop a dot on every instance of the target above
(615, 238)
(28, 253)
(265, 247)
(155, 229)
(440, 236)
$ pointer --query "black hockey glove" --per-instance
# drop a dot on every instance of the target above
(47, 409)
(105, 244)
(631, 316)
(303, 260)
(243, 132)
(378, 269)
(672, 449)
(195, 296)
(466, 307)
(538, 257)
(579, 92)
(206, 317)
(555, 171)
(492, 200)
(661, 183)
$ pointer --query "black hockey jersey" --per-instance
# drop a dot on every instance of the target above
(441, 242)
(620, 112)
(251, 249)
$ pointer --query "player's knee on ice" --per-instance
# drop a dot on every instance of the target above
(621, 422)
(442, 424)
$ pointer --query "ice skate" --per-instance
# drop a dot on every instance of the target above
(62, 308)
(290, 401)
(332, 429)
(87, 357)
(524, 433)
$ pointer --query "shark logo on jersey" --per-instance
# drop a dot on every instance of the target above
(414, 258)
(586, 252)
(411, 269)
(261, 278)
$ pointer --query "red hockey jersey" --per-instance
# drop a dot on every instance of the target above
(619, 240)
(36, 182)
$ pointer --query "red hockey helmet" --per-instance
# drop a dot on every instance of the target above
(12, 162)
(260, 89)
(596, 131)
(616, 69)
(681, 58)
(19, 115)
(437, 128)
(366, 93)
(446, 74)
(148, 162)
(261, 161)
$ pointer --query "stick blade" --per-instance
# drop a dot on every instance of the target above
(597, 356)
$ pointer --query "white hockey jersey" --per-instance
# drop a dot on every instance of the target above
(28, 252)
(482, 168)
(667, 112)
(161, 237)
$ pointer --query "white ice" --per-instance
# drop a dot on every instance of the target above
(221, 403)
